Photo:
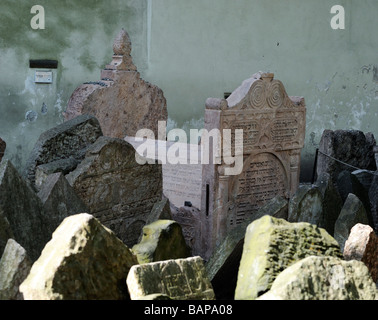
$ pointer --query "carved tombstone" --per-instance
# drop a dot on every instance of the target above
(273, 127)
(119, 192)
(122, 101)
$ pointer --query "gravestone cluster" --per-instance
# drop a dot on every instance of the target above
(84, 220)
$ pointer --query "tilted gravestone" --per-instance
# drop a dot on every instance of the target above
(23, 210)
(117, 190)
(353, 212)
(121, 101)
(15, 266)
(273, 127)
(345, 150)
(271, 245)
(59, 201)
(83, 261)
(68, 140)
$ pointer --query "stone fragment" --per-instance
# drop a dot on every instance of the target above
(160, 211)
(65, 166)
(331, 202)
(306, 205)
(122, 101)
(162, 240)
(271, 245)
(181, 279)
(222, 267)
(323, 278)
(117, 190)
(5, 231)
(23, 210)
(14, 268)
(349, 146)
(362, 245)
(3, 146)
(83, 261)
(353, 212)
(59, 201)
(67, 140)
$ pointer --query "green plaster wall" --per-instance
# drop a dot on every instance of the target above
(193, 49)
(79, 34)
(204, 48)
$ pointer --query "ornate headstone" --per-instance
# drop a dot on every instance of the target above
(273, 127)
(121, 101)
(117, 190)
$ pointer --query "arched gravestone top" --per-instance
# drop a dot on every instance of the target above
(273, 134)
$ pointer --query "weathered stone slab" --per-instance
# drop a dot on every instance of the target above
(362, 245)
(3, 146)
(59, 201)
(273, 127)
(271, 245)
(349, 146)
(223, 266)
(117, 190)
(162, 240)
(69, 139)
(331, 202)
(353, 212)
(122, 101)
(65, 166)
(181, 279)
(14, 268)
(323, 278)
(23, 210)
(83, 261)
(306, 205)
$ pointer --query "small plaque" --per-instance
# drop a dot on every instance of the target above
(43, 77)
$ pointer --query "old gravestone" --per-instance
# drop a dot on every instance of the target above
(23, 210)
(68, 140)
(83, 261)
(180, 279)
(117, 190)
(3, 146)
(122, 101)
(273, 127)
(59, 201)
(352, 147)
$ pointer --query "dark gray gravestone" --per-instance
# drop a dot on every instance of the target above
(23, 209)
(70, 139)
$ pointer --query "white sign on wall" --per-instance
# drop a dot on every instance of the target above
(43, 77)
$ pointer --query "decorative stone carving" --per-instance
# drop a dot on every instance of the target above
(273, 127)
(68, 140)
(122, 101)
(117, 190)
(181, 279)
